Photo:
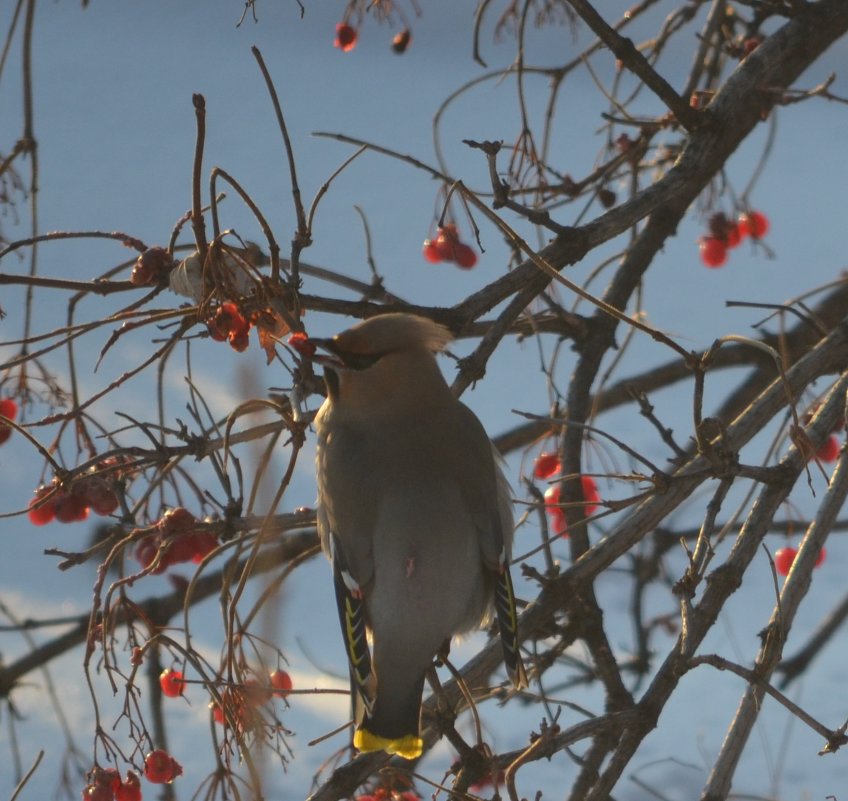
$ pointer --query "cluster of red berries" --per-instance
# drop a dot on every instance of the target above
(151, 267)
(9, 411)
(242, 704)
(229, 324)
(785, 558)
(347, 36)
(725, 234)
(175, 541)
(89, 493)
(105, 785)
(447, 247)
(547, 465)
(161, 768)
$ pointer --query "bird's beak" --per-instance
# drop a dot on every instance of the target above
(328, 358)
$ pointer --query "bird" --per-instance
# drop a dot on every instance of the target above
(415, 516)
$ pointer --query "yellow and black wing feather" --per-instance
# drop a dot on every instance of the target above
(507, 615)
(351, 608)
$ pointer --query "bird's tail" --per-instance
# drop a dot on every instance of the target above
(410, 746)
(392, 724)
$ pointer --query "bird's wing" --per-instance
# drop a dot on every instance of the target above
(484, 488)
(349, 493)
(351, 607)
(507, 615)
(488, 496)
(348, 497)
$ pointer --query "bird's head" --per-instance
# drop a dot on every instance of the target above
(384, 356)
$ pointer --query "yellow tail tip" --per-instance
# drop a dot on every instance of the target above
(409, 746)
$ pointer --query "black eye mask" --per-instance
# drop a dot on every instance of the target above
(359, 361)
(348, 360)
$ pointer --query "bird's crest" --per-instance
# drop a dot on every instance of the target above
(388, 333)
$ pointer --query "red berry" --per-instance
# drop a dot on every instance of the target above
(172, 683)
(217, 712)
(590, 494)
(445, 248)
(829, 451)
(41, 515)
(401, 41)
(556, 514)
(227, 318)
(431, 251)
(150, 266)
(97, 792)
(733, 236)
(239, 340)
(281, 682)
(214, 332)
(546, 465)
(300, 342)
(130, 790)
(96, 493)
(181, 548)
(464, 256)
(161, 768)
(713, 251)
(109, 778)
(346, 37)
(783, 560)
(145, 554)
(820, 558)
(446, 243)
(202, 544)
(176, 521)
(754, 224)
(229, 324)
(558, 524)
(69, 508)
(8, 409)
(145, 551)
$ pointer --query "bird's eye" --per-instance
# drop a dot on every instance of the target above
(359, 361)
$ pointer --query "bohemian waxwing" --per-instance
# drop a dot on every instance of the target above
(415, 516)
